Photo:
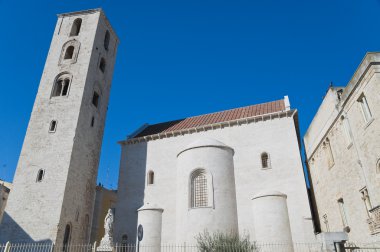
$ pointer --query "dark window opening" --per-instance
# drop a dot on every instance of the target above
(95, 99)
(40, 175)
(69, 52)
(58, 88)
(61, 87)
(53, 126)
(75, 29)
(150, 178)
(92, 121)
(264, 160)
(102, 65)
(66, 237)
(65, 87)
(107, 40)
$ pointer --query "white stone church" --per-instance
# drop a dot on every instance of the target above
(238, 170)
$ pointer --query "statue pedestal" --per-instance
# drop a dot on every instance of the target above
(106, 244)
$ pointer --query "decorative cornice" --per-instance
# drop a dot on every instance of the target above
(237, 122)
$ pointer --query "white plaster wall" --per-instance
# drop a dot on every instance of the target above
(221, 213)
(151, 220)
(277, 137)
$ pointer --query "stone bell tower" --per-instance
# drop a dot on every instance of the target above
(54, 185)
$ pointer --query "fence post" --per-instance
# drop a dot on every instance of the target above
(7, 247)
(94, 247)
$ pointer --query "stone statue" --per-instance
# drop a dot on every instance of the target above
(108, 223)
(106, 244)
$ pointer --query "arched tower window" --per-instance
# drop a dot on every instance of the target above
(66, 237)
(199, 189)
(69, 52)
(75, 29)
(150, 177)
(61, 85)
(40, 175)
(107, 40)
(265, 162)
(102, 65)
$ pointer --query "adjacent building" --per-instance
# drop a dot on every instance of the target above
(5, 188)
(342, 147)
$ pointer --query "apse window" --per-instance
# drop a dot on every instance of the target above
(265, 162)
(199, 190)
(53, 126)
(95, 99)
(40, 175)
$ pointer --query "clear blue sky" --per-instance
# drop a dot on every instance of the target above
(190, 57)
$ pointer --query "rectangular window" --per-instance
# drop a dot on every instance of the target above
(92, 121)
(365, 108)
(53, 126)
(347, 132)
(342, 211)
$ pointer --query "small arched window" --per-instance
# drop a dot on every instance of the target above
(75, 29)
(150, 177)
(107, 40)
(69, 52)
(199, 189)
(102, 65)
(265, 162)
(40, 175)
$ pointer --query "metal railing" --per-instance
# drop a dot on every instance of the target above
(253, 247)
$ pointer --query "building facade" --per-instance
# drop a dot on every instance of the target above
(5, 188)
(104, 199)
(54, 185)
(342, 146)
(237, 171)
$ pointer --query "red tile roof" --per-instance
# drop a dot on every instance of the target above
(218, 117)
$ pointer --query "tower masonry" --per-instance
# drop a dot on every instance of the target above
(54, 184)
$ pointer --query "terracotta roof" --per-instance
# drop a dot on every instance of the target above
(218, 117)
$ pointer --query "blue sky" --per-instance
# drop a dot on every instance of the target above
(190, 57)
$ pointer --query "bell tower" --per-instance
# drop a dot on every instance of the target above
(54, 185)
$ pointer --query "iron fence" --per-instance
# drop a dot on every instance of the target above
(253, 247)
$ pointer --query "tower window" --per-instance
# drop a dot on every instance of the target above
(265, 160)
(40, 175)
(95, 99)
(347, 132)
(367, 115)
(61, 87)
(150, 178)
(75, 29)
(69, 52)
(102, 65)
(199, 190)
(107, 40)
(366, 200)
(53, 126)
(92, 121)
(329, 154)
(343, 215)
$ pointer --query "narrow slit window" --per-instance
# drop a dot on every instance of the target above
(347, 132)
(92, 121)
(107, 40)
(65, 89)
(329, 153)
(367, 115)
(102, 65)
(265, 160)
(40, 175)
(53, 126)
(343, 214)
(150, 178)
(75, 29)
(69, 52)
(95, 99)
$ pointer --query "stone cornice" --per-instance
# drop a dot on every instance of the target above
(238, 122)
